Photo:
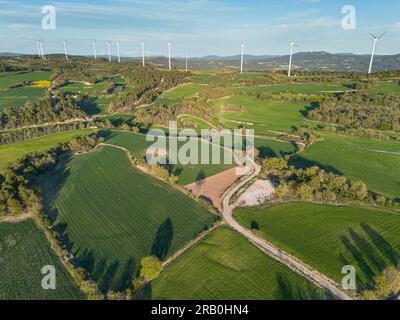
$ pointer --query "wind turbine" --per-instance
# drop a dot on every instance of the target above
(109, 50)
(169, 56)
(65, 49)
(143, 58)
(119, 57)
(94, 49)
(39, 49)
(241, 59)
(292, 45)
(376, 40)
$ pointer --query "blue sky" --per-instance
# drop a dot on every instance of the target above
(203, 26)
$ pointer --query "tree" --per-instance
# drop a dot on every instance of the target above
(151, 268)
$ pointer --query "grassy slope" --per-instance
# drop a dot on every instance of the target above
(226, 266)
(113, 215)
(310, 88)
(17, 97)
(328, 237)
(265, 115)
(24, 250)
(14, 151)
(377, 163)
(138, 145)
(177, 95)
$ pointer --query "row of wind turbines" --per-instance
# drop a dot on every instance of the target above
(40, 47)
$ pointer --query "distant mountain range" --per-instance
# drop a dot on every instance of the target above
(315, 61)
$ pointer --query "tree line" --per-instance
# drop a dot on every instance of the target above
(52, 108)
(355, 110)
(315, 184)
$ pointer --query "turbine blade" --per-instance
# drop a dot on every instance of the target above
(382, 34)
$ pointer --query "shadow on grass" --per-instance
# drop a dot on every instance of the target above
(302, 163)
(110, 275)
(371, 253)
(163, 240)
(286, 291)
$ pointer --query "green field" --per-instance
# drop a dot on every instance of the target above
(306, 88)
(377, 163)
(386, 87)
(226, 266)
(178, 94)
(24, 251)
(138, 145)
(13, 78)
(198, 123)
(329, 237)
(111, 215)
(17, 97)
(12, 152)
(264, 115)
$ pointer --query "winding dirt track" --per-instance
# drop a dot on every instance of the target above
(273, 251)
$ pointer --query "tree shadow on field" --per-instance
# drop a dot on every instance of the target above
(266, 152)
(372, 260)
(382, 244)
(163, 240)
(302, 163)
(145, 293)
(286, 291)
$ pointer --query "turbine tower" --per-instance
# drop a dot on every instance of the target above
(109, 50)
(241, 59)
(42, 48)
(39, 49)
(169, 56)
(119, 57)
(292, 45)
(65, 49)
(376, 40)
(143, 58)
(94, 49)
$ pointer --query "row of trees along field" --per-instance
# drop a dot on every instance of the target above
(18, 194)
(146, 85)
(49, 109)
(315, 184)
(372, 111)
(35, 132)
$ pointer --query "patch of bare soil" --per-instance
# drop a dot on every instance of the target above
(212, 188)
(259, 192)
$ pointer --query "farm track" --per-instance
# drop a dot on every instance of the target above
(274, 252)
(190, 244)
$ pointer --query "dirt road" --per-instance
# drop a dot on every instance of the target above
(273, 251)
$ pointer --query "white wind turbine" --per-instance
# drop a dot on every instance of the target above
(65, 49)
(376, 40)
(39, 49)
(42, 48)
(169, 56)
(118, 54)
(94, 49)
(292, 45)
(143, 58)
(242, 59)
(109, 50)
